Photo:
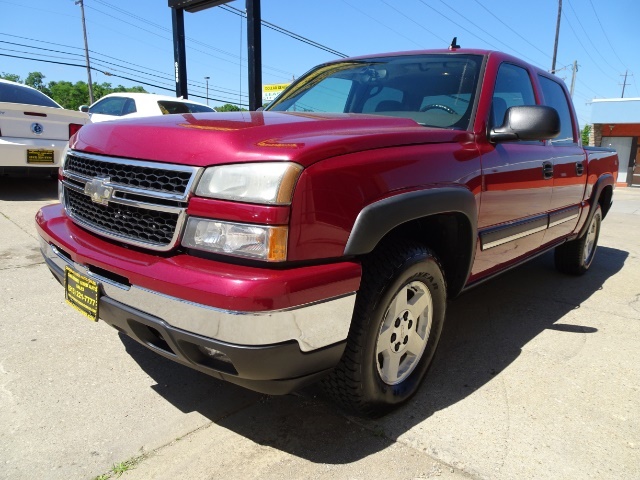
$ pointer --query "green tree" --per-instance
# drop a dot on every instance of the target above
(229, 107)
(11, 77)
(35, 80)
(585, 132)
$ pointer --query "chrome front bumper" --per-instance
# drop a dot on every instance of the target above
(313, 326)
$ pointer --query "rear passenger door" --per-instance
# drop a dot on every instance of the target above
(517, 181)
(569, 163)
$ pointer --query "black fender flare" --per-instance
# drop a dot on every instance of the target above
(602, 182)
(377, 219)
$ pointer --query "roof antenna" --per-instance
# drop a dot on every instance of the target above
(454, 44)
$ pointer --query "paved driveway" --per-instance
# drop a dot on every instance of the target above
(537, 376)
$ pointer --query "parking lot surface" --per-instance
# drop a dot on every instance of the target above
(537, 376)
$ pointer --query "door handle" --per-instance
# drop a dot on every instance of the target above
(547, 170)
(579, 168)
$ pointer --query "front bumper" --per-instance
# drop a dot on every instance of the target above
(177, 305)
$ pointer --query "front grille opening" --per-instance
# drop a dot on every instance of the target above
(133, 223)
(208, 357)
(145, 177)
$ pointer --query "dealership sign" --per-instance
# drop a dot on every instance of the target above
(271, 92)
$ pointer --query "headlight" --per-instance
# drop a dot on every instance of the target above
(238, 239)
(268, 183)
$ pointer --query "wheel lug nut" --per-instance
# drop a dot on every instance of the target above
(393, 337)
(397, 324)
(410, 323)
(406, 339)
(397, 347)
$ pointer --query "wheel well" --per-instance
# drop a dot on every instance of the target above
(448, 235)
(605, 199)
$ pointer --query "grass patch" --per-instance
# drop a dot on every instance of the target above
(119, 468)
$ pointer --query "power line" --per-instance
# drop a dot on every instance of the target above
(191, 40)
(383, 24)
(412, 20)
(511, 29)
(487, 33)
(286, 32)
(117, 76)
(589, 37)
(585, 48)
(457, 24)
(605, 34)
(97, 55)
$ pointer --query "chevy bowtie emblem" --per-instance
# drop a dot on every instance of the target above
(98, 190)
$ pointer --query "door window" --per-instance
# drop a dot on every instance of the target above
(114, 106)
(513, 89)
(555, 97)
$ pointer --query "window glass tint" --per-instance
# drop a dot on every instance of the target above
(114, 106)
(18, 94)
(513, 89)
(328, 95)
(167, 107)
(388, 100)
(554, 97)
(436, 90)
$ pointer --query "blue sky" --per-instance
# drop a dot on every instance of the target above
(133, 39)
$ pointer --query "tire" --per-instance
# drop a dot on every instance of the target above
(394, 332)
(576, 256)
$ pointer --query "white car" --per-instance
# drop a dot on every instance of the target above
(130, 105)
(34, 130)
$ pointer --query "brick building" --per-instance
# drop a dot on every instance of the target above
(615, 123)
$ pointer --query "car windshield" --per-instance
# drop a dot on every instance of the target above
(12, 93)
(435, 90)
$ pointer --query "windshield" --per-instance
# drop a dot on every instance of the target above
(434, 90)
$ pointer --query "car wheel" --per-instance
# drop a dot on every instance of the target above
(394, 332)
(575, 257)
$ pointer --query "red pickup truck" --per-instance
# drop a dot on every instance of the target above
(323, 236)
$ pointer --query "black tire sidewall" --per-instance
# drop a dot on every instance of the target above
(586, 262)
(423, 268)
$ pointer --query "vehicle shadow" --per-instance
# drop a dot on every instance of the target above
(28, 188)
(485, 332)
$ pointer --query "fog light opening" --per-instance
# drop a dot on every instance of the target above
(215, 359)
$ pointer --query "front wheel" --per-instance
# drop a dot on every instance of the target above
(395, 329)
(575, 257)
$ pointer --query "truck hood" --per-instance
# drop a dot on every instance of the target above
(216, 138)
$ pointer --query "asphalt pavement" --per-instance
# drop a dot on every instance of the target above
(537, 376)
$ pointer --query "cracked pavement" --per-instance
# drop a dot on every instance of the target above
(537, 376)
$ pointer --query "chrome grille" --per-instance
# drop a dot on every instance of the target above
(145, 204)
(137, 176)
(140, 224)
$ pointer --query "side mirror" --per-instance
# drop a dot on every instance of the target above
(84, 108)
(534, 122)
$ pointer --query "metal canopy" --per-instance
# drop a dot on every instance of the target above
(254, 45)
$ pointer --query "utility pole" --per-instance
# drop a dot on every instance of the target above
(573, 77)
(624, 84)
(254, 47)
(555, 45)
(86, 51)
(206, 79)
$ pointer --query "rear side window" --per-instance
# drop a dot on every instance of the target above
(513, 89)
(555, 97)
(114, 106)
(12, 93)
(168, 107)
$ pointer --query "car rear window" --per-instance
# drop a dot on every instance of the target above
(167, 107)
(12, 93)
